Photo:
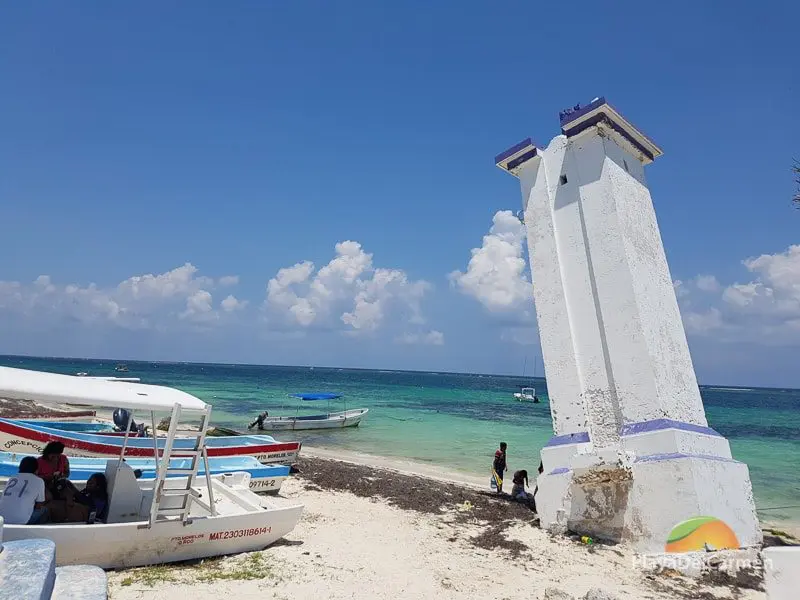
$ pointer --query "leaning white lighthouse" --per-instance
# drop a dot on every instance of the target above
(632, 455)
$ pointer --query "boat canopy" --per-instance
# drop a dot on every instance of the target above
(22, 384)
(317, 396)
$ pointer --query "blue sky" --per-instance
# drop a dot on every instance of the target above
(246, 139)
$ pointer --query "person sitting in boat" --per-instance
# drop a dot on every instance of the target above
(23, 499)
(71, 505)
(53, 464)
(259, 421)
(91, 503)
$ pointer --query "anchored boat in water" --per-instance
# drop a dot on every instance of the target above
(175, 516)
(329, 420)
(527, 394)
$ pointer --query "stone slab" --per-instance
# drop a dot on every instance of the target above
(27, 570)
(80, 582)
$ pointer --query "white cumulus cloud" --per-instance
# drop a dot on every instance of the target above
(199, 307)
(707, 283)
(139, 302)
(349, 289)
(231, 304)
(497, 272)
(765, 309)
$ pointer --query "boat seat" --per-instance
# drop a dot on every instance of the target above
(125, 497)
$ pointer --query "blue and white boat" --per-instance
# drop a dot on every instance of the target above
(82, 426)
(176, 516)
(329, 420)
(31, 437)
(263, 478)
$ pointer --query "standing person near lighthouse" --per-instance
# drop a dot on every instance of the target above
(499, 467)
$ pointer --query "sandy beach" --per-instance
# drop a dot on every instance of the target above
(368, 532)
(377, 527)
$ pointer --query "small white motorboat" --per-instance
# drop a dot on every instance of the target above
(329, 420)
(175, 516)
(527, 394)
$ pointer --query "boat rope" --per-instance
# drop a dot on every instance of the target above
(778, 507)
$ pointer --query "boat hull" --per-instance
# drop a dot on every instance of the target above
(526, 398)
(263, 478)
(133, 544)
(16, 436)
(350, 418)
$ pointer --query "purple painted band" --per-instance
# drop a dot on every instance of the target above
(679, 455)
(658, 458)
(580, 437)
(568, 116)
(559, 471)
(659, 424)
(513, 164)
(513, 150)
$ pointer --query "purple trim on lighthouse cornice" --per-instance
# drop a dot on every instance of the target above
(559, 471)
(570, 114)
(513, 164)
(581, 437)
(679, 455)
(659, 424)
(513, 150)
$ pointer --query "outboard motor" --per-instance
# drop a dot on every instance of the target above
(122, 419)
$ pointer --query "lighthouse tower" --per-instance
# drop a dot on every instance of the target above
(632, 456)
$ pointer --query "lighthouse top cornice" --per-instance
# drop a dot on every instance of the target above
(578, 119)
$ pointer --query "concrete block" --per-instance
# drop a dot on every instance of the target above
(80, 582)
(27, 570)
(782, 572)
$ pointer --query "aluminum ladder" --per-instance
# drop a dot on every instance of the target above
(186, 495)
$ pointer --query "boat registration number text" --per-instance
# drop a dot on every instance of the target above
(238, 533)
(262, 484)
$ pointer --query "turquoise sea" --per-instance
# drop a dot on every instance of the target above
(455, 420)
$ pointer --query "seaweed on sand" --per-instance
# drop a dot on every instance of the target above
(492, 513)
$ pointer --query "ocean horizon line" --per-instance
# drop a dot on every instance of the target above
(708, 386)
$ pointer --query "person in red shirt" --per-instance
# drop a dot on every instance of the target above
(53, 463)
(499, 467)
